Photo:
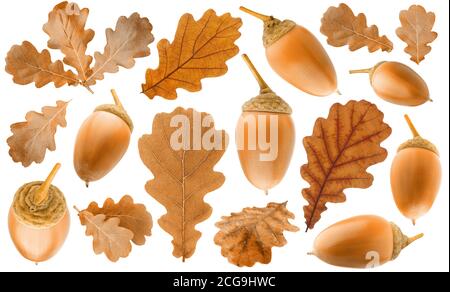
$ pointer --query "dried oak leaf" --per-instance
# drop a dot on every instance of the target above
(417, 31)
(342, 28)
(200, 50)
(27, 65)
(109, 237)
(133, 217)
(183, 174)
(32, 138)
(248, 237)
(66, 29)
(339, 152)
(130, 40)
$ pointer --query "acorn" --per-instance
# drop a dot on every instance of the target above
(102, 141)
(397, 83)
(265, 136)
(415, 175)
(39, 219)
(361, 242)
(297, 56)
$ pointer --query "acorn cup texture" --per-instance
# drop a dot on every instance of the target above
(397, 83)
(415, 175)
(102, 141)
(361, 242)
(265, 135)
(39, 219)
(297, 56)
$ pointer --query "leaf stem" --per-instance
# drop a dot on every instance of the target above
(262, 84)
(42, 193)
(88, 88)
(255, 14)
(412, 127)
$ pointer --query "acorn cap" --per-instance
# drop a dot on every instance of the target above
(417, 141)
(40, 204)
(401, 241)
(267, 101)
(116, 109)
(274, 29)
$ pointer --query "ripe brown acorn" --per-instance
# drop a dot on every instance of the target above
(415, 176)
(39, 219)
(361, 242)
(265, 136)
(397, 83)
(102, 141)
(297, 56)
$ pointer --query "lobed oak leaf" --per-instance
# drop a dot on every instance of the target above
(109, 237)
(200, 50)
(248, 237)
(417, 31)
(339, 152)
(133, 217)
(183, 175)
(342, 28)
(32, 138)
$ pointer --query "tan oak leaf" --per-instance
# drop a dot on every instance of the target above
(32, 138)
(248, 237)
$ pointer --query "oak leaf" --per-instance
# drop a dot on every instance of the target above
(66, 29)
(183, 174)
(67, 33)
(133, 217)
(248, 237)
(130, 40)
(32, 138)
(342, 28)
(417, 31)
(339, 152)
(199, 50)
(109, 237)
(27, 65)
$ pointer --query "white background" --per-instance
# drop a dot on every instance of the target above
(223, 97)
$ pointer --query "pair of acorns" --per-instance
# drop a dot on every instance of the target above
(298, 57)
(39, 219)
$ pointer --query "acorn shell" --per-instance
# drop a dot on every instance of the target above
(38, 231)
(102, 141)
(361, 242)
(399, 84)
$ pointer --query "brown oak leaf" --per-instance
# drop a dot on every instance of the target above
(342, 28)
(248, 237)
(66, 29)
(129, 40)
(183, 174)
(109, 237)
(200, 50)
(32, 138)
(27, 65)
(133, 217)
(417, 31)
(339, 152)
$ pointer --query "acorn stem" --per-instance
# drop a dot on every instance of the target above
(262, 84)
(411, 126)
(417, 237)
(116, 98)
(42, 192)
(255, 14)
(361, 71)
